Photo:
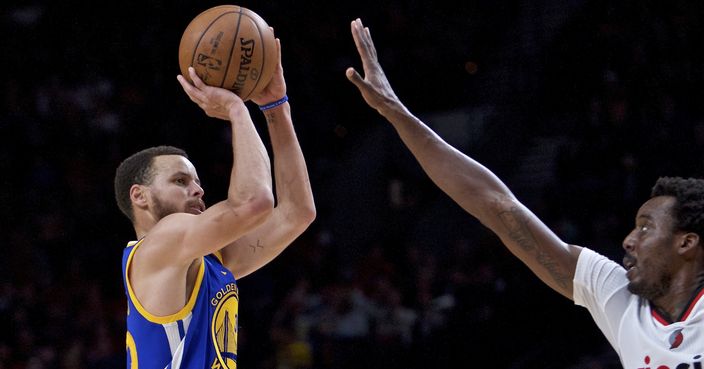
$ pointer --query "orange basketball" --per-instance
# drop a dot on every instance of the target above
(231, 47)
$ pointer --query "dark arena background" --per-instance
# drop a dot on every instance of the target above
(578, 105)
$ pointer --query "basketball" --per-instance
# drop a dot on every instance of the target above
(230, 47)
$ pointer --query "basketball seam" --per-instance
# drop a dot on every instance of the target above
(232, 48)
(195, 49)
(261, 68)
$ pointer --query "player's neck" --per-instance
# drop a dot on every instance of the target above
(144, 222)
(673, 306)
(141, 229)
(140, 233)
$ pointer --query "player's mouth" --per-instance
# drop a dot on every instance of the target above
(629, 262)
(196, 207)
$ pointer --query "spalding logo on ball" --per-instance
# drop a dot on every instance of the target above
(231, 47)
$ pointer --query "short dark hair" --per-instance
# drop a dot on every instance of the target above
(137, 169)
(688, 210)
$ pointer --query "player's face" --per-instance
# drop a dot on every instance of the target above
(175, 187)
(651, 249)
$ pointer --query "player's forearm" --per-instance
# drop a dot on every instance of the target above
(251, 171)
(465, 180)
(294, 193)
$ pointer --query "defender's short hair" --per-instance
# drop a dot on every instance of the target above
(688, 210)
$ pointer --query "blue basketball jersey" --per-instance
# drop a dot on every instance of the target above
(201, 335)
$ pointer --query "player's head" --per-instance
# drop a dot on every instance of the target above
(668, 226)
(160, 179)
(688, 208)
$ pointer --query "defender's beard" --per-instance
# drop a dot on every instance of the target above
(653, 290)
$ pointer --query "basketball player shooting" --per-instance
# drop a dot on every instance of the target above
(650, 307)
(180, 274)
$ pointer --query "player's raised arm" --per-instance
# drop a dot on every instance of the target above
(249, 199)
(295, 208)
(467, 182)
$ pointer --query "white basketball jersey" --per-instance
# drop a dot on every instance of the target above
(642, 338)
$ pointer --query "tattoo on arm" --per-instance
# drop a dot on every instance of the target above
(516, 223)
(255, 247)
(270, 118)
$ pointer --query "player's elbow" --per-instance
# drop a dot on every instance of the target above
(261, 204)
(296, 218)
(302, 215)
(307, 214)
(256, 207)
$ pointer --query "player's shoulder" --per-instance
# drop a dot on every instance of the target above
(171, 221)
(169, 229)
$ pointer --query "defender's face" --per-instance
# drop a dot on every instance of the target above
(651, 249)
(175, 187)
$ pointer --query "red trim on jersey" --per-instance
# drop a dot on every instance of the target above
(684, 316)
(658, 317)
(691, 306)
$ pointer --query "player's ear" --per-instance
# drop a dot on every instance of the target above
(138, 195)
(689, 242)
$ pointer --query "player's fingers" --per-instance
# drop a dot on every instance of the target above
(365, 46)
(182, 81)
(194, 94)
(355, 78)
(196, 80)
(369, 42)
(365, 42)
(187, 87)
(357, 38)
(278, 51)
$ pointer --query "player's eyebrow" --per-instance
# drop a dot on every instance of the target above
(185, 174)
(645, 217)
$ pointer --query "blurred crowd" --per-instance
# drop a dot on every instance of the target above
(585, 104)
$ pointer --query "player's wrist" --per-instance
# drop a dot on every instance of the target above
(390, 107)
(236, 110)
(273, 104)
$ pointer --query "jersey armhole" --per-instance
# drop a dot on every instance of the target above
(167, 318)
(218, 255)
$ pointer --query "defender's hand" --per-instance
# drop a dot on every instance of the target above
(375, 87)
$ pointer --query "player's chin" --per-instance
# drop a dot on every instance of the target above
(636, 286)
(194, 211)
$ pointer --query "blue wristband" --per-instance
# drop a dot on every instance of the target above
(274, 104)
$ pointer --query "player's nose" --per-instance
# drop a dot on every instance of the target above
(197, 190)
(629, 242)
